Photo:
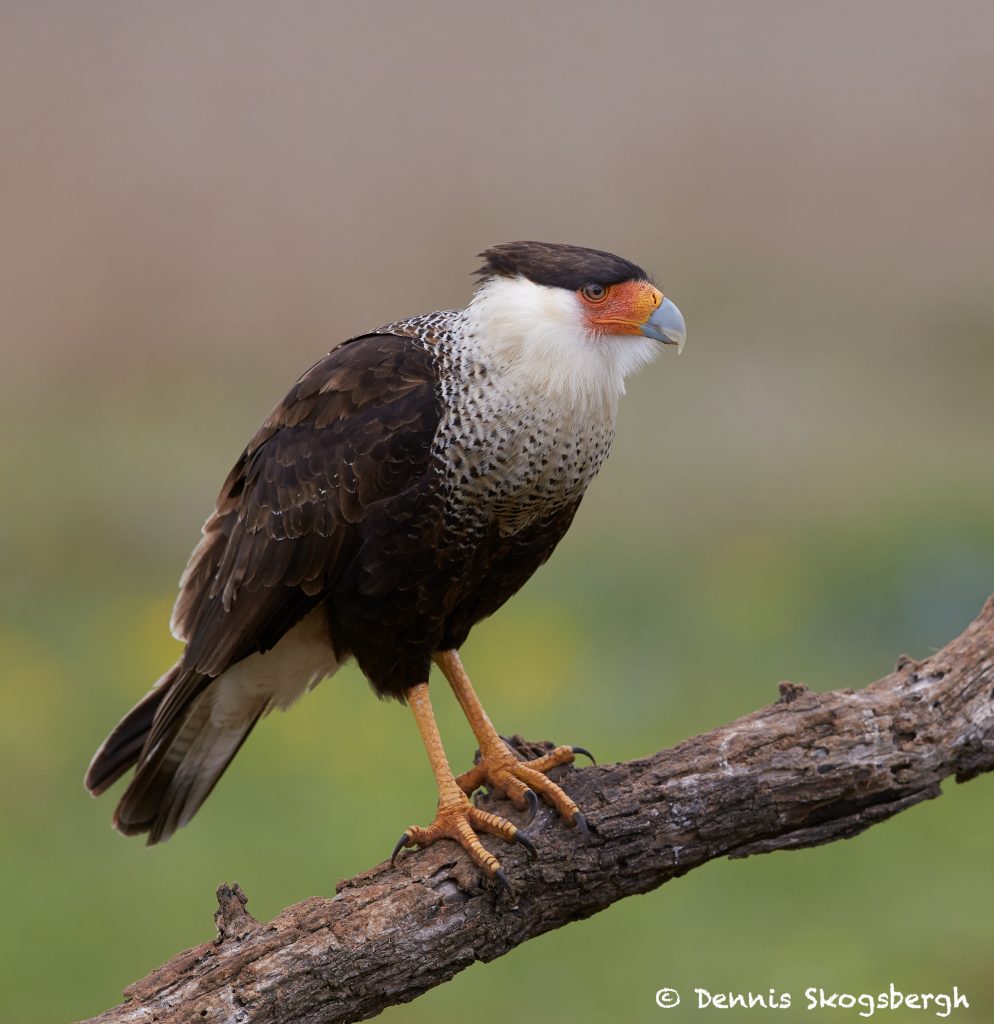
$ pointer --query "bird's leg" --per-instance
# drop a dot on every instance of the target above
(498, 767)
(457, 818)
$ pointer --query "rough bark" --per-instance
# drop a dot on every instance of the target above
(808, 769)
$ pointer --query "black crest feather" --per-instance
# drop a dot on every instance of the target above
(557, 265)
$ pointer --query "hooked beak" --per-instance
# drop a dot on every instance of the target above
(666, 325)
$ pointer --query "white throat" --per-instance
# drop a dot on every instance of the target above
(536, 337)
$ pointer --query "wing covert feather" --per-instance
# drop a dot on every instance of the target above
(356, 429)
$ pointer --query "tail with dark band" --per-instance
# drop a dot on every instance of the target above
(123, 746)
(190, 752)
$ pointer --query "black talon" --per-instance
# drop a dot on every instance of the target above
(522, 840)
(581, 823)
(502, 878)
(585, 752)
(532, 805)
(401, 843)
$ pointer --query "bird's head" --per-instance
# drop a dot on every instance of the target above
(573, 319)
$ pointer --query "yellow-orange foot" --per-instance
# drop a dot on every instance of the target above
(458, 819)
(498, 768)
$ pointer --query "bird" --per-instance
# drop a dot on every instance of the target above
(410, 482)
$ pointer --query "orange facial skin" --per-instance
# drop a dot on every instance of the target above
(623, 309)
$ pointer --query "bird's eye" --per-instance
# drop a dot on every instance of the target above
(594, 292)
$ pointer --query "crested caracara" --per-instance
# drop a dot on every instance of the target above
(410, 482)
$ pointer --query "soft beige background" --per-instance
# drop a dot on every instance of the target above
(199, 199)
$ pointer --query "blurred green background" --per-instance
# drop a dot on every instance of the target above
(198, 200)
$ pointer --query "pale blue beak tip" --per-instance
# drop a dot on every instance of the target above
(667, 325)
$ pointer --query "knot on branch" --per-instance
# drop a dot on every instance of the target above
(789, 692)
(232, 919)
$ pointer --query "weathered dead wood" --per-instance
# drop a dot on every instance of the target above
(809, 769)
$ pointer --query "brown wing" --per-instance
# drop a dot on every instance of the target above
(356, 429)
(345, 457)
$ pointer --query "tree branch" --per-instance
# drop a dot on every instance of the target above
(809, 769)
